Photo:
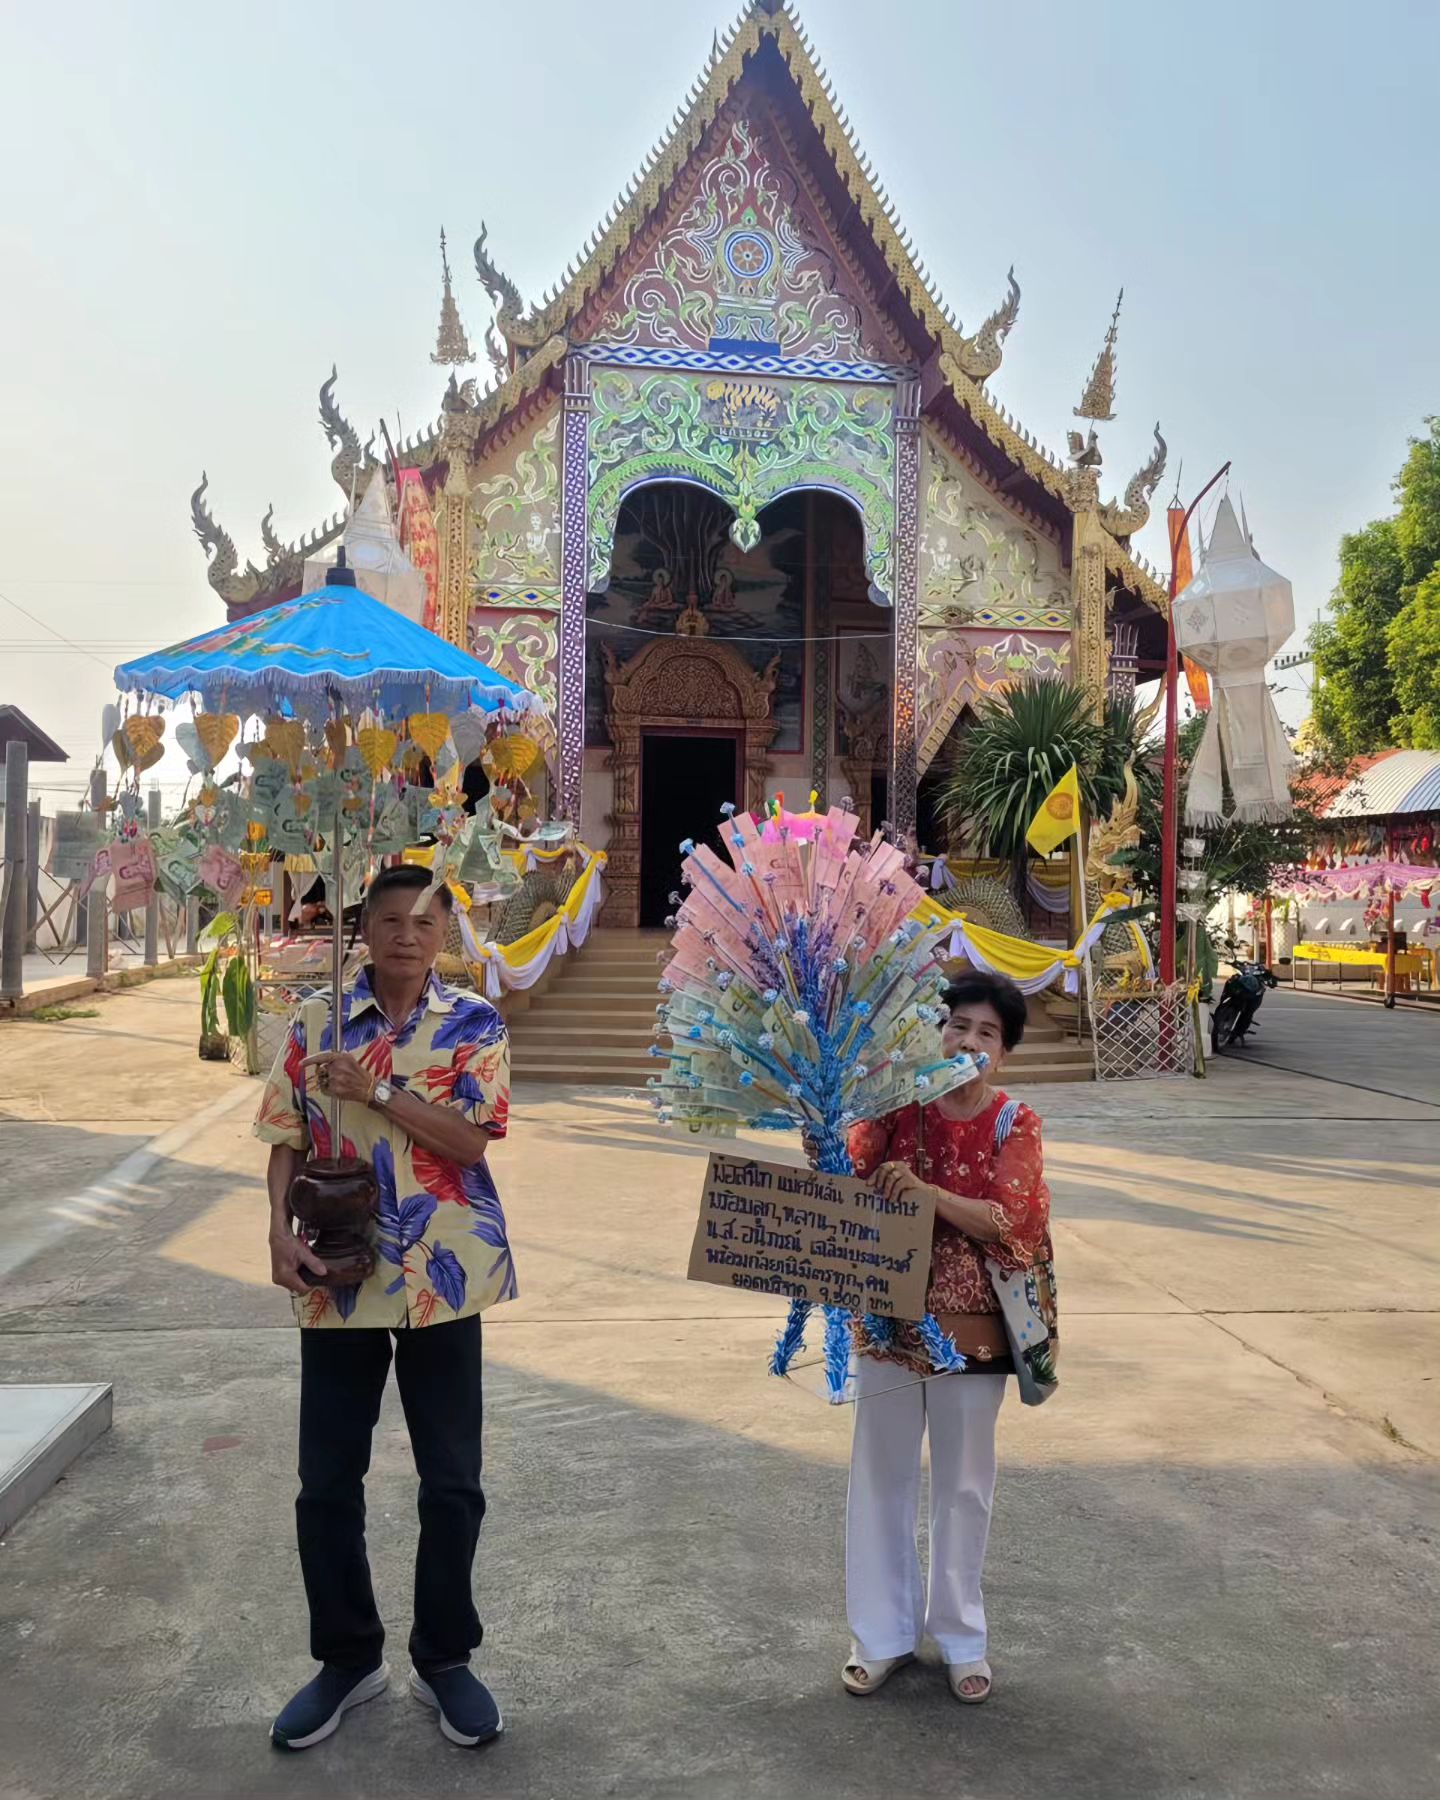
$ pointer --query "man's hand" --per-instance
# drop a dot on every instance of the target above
(288, 1256)
(341, 1075)
(894, 1181)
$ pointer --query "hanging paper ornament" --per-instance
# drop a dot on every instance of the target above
(412, 761)
(285, 828)
(429, 730)
(285, 739)
(467, 733)
(217, 732)
(120, 744)
(512, 755)
(143, 732)
(337, 737)
(377, 747)
(390, 833)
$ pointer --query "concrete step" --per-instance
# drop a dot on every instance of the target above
(558, 1033)
(584, 980)
(42, 1431)
(578, 1068)
(1022, 1075)
(601, 1008)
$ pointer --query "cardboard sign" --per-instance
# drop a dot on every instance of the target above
(772, 1228)
(77, 838)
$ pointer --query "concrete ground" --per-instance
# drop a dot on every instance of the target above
(1213, 1570)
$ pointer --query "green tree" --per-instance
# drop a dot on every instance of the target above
(1376, 686)
(1354, 689)
(1413, 645)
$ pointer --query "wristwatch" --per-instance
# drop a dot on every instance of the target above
(382, 1094)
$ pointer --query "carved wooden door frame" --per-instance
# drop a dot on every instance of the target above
(677, 684)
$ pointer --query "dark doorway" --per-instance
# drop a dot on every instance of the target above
(684, 781)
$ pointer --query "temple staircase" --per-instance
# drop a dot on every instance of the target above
(592, 1025)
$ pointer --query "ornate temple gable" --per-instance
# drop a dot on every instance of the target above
(995, 602)
(768, 50)
(738, 264)
(979, 564)
(515, 519)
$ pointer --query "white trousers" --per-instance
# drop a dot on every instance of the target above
(884, 1593)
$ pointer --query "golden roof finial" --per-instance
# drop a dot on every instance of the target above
(1098, 400)
(451, 344)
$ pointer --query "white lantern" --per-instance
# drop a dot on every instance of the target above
(1231, 619)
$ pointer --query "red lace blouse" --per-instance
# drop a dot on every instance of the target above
(960, 1156)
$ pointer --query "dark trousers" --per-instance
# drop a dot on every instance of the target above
(342, 1376)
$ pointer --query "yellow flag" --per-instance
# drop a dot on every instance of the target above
(1059, 814)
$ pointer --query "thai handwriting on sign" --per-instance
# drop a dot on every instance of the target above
(773, 1228)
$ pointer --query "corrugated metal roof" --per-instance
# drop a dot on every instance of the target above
(1320, 788)
(1408, 781)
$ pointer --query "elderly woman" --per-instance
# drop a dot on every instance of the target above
(981, 1156)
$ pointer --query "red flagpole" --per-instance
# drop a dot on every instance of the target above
(1170, 809)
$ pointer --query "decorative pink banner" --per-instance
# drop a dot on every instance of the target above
(1361, 881)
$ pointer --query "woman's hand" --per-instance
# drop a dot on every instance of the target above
(341, 1076)
(895, 1181)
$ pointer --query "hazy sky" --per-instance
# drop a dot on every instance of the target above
(204, 207)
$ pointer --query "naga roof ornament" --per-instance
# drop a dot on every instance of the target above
(1098, 400)
(509, 307)
(352, 461)
(979, 356)
(224, 574)
(1124, 518)
(452, 347)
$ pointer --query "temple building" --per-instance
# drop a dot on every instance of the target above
(737, 499)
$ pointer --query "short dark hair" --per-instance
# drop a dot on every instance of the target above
(978, 987)
(404, 878)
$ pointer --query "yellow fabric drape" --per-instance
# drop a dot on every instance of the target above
(524, 949)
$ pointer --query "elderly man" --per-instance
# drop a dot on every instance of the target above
(424, 1072)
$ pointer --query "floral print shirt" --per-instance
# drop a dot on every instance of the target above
(960, 1156)
(443, 1249)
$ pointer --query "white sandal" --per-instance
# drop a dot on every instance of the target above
(957, 1672)
(866, 1677)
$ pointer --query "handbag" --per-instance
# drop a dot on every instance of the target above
(1027, 1298)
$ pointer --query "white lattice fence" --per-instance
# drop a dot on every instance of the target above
(1143, 1032)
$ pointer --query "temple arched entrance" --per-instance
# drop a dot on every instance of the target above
(718, 672)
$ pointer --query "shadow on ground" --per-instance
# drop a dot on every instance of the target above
(663, 1603)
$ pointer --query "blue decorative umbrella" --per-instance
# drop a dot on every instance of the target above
(336, 650)
(335, 645)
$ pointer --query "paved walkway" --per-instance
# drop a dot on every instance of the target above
(1212, 1553)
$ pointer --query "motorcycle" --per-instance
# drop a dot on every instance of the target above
(1239, 1001)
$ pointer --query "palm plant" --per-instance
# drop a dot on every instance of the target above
(1019, 746)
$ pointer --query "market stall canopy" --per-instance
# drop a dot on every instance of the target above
(1358, 881)
(337, 645)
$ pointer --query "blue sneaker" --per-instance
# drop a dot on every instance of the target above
(467, 1709)
(316, 1711)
